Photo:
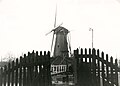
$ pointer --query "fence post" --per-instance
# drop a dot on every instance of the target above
(36, 62)
(80, 60)
(48, 70)
(85, 55)
(32, 67)
(76, 67)
(90, 62)
(107, 70)
(88, 65)
(9, 72)
(103, 71)
(81, 69)
(116, 72)
(41, 69)
(5, 76)
(16, 75)
(44, 68)
(98, 63)
(24, 70)
(46, 75)
(94, 66)
(12, 81)
(1, 76)
(111, 70)
(28, 69)
(20, 72)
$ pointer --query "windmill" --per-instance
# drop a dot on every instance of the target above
(61, 49)
(61, 40)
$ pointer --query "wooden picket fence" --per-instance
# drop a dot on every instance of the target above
(95, 69)
(29, 70)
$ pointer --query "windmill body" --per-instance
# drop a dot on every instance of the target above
(61, 44)
(60, 59)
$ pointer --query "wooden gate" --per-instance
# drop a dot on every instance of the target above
(30, 70)
(95, 69)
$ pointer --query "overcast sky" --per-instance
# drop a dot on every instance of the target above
(24, 23)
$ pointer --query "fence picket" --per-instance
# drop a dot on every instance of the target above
(24, 70)
(85, 55)
(8, 74)
(5, 75)
(111, 71)
(20, 72)
(12, 78)
(1, 76)
(76, 66)
(103, 70)
(116, 73)
(107, 70)
(98, 68)
(16, 73)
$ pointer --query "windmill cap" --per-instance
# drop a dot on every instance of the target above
(61, 29)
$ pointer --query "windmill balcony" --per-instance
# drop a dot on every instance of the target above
(58, 69)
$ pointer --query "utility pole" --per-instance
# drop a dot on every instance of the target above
(92, 36)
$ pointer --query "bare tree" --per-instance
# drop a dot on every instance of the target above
(9, 57)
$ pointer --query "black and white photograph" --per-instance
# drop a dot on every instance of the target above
(59, 42)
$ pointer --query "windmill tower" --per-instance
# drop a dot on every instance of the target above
(61, 44)
(60, 41)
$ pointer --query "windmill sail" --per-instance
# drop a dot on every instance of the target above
(55, 17)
